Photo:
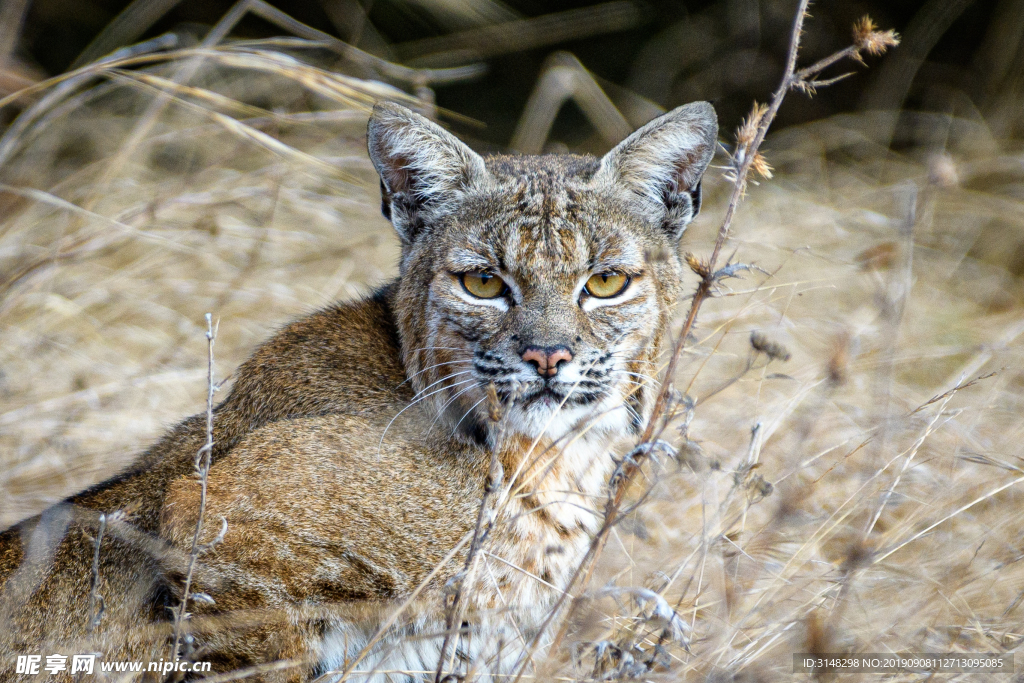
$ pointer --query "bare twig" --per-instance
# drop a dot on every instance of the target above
(526, 34)
(495, 475)
(962, 384)
(396, 72)
(893, 296)
(202, 470)
(96, 604)
(745, 158)
(564, 78)
(127, 27)
(887, 494)
(64, 85)
(963, 508)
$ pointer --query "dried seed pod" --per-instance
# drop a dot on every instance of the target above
(772, 349)
(867, 37)
(493, 403)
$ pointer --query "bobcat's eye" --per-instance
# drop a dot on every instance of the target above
(607, 285)
(483, 285)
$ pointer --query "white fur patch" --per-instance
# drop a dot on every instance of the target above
(399, 657)
(632, 291)
(498, 302)
(549, 418)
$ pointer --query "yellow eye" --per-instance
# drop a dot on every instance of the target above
(483, 285)
(607, 285)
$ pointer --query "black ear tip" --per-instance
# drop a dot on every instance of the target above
(695, 199)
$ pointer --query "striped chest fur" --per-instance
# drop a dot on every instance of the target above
(543, 521)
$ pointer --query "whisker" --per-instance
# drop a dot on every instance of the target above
(633, 413)
(633, 360)
(636, 374)
(436, 365)
(552, 503)
(411, 404)
(645, 379)
(454, 374)
(445, 406)
(567, 492)
(471, 409)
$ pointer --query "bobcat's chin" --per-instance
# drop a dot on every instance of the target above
(560, 412)
(548, 415)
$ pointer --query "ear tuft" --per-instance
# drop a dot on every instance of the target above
(422, 167)
(663, 163)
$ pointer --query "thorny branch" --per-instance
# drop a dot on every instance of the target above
(202, 470)
(866, 38)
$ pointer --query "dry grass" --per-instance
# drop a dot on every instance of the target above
(106, 277)
(890, 521)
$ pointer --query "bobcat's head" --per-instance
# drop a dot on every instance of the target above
(551, 276)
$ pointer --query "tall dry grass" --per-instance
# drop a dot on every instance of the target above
(862, 495)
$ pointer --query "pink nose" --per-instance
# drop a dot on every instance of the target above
(547, 360)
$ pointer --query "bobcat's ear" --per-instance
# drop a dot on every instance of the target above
(663, 163)
(422, 167)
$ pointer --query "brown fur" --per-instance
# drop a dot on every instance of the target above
(312, 367)
(341, 489)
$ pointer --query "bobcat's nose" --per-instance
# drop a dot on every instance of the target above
(547, 359)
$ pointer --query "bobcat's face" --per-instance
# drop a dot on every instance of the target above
(541, 266)
(551, 277)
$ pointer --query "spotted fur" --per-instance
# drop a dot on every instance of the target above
(354, 448)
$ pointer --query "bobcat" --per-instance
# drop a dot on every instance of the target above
(352, 454)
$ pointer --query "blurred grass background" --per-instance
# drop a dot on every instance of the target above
(959, 56)
(890, 243)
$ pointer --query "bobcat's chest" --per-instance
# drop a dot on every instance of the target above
(542, 529)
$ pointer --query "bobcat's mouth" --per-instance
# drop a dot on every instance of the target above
(543, 394)
(553, 394)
